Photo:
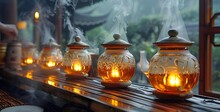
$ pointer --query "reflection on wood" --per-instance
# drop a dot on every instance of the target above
(90, 93)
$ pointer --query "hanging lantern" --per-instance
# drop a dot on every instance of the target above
(50, 57)
(29, 54)
(77, 61)
(116, 65)
(173, 71)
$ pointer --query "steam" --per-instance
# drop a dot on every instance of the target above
(69, 24)
(48, 29)
(73, 30)
(173, 19)
(117, 19)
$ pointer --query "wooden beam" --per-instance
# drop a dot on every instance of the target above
(59, 23)
(205, 47)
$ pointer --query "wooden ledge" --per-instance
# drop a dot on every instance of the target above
(90, 93)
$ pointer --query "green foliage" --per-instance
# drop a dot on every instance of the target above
(143, 34)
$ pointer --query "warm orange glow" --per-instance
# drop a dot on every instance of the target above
(36, 15)
(51, 82)
(172, 80)
(51, 64)
(22, 25)
(28, 61)
(114, 102)
(115, 72)
(29, 75)
(75, 90)
(76, 66)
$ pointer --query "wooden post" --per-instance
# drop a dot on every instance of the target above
(205, 47)
(59, 23)
(10, 12)
(10, 15)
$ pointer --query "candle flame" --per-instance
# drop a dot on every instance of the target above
(29, 61)
(50, 64)
(36, 15)
(115, 72)
(172, 80)
(76, 66)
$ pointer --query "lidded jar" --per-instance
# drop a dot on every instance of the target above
(50, 57)
(77, 60)
(173, 70)
(116, 65)
(29, 54)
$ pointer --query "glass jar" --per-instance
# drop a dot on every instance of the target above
(77, 60)
(50, 57)
(173, 70)
(29, 54)
(116, 65)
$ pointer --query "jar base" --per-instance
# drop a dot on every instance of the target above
(115, 85)
(172, 96)
(72, 77)
(31, 66)
(50, 71)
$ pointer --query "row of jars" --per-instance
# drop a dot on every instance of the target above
(172, 70)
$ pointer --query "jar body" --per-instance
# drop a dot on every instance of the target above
(116, 66)
(175, 71)
(76, 62)
(50, 58)
(29, 56)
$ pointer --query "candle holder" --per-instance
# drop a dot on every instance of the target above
(173, 71)
(50, 57)
(77, 61)
(29, 55)
(116, 65)
(13, 55)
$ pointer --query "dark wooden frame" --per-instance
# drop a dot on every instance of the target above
(207, 30)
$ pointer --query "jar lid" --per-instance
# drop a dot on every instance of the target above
(28, 45)
(173, 41)
(116, 43)
(14, 43)
(78, 44)
(51, 44)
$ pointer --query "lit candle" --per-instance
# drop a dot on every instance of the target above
(115, 72)
(76, 66)
(29, 61)
(172, 80)
(50, 64)
(36, 15)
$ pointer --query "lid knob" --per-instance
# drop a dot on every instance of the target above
(117, 36)
(77, 39)
(172, 33)
(51, 40)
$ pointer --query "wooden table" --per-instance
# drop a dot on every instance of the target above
(91, 94)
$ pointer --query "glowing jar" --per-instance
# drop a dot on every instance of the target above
(116, 65)
(77, 61)
(29, 54)
(173, 70)
(50, 57)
